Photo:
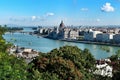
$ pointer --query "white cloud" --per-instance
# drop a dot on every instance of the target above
(50, 14)
(30, 18)
(33, 18)
(38, 18)
(107, 8)
(98, 20)
(84, 9)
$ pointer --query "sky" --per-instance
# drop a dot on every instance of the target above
(51, 12)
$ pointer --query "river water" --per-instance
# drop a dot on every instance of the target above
(45, 45)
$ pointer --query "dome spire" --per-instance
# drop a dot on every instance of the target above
(61, 24)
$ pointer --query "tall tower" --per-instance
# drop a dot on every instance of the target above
(61, 25)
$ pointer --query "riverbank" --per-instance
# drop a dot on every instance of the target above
(76, 41)
(22, 52)
(89, 42)
(86, 42)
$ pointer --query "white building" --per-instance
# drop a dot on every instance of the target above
(104, 37)
(40, 30)
(63, 32)
(116, 38)
(73, 34)
(104, 70)
(66, 33)
(90, 35)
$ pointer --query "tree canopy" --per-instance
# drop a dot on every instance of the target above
(11, 68)
(65, 63)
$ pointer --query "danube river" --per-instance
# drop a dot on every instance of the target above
(45, 45)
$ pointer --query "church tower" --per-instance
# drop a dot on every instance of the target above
(61, 26)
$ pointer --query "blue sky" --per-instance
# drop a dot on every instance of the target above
(51, 12)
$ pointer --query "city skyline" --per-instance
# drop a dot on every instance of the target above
(51, 12)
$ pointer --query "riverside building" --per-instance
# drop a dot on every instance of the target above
(90, 35)
(104, 37)
(116, 38)
(63, 32)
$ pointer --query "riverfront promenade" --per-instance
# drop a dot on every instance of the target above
(85, 42)
(90, 42)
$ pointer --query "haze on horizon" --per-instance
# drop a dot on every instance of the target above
(51, 12)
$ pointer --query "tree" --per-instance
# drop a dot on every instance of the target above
(12, 68)
(116, 59)
(67, 62)
(58, 68)
(116, 56)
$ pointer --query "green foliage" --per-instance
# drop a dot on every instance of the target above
(116, 56)
(56, 67)
(68, 63)
(116, 75)
(105, 48)
(2, 30)
(12, 68)
(116, 60)
(118, 53)
(99, 77)
(3, 45)
(44, 76)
